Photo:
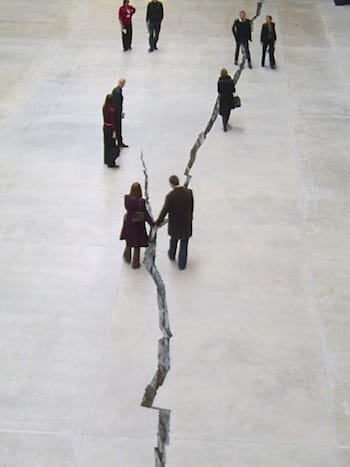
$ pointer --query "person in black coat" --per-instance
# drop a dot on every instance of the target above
(242, 31)
(226, 89)
(179, 207)
(154, 18)
(111, 151)
(117, 95)
(268, 38)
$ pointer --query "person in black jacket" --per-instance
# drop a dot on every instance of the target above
(154, 18)
(117, 95)
(226, 89)
(242, 32)
(111, 151)
(179, 207)
(268, 38)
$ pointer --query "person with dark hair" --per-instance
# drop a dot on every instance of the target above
(134, 229)
(126, 11)
(111, 151)
(117, 95)
(178, 206)
(226, 89)
(268, 38)
(154, 18)
(242, 31)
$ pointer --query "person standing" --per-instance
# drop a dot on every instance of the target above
(117, 95)
(242, 31)
(111, 151)
(226, 89)
(268, 38)
(154, 18)
(179, 207)
(134, 229)
(126, 12)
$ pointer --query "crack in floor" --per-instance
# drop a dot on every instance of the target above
(163, 366)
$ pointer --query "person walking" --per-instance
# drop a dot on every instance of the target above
(117, 95)
(226, 89)
(126, 11)
(134, 228)
(154, 18)
(242, 31)
(111, 151)
(179, 207)
(268, 38)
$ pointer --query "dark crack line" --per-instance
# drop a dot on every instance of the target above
(163, 365)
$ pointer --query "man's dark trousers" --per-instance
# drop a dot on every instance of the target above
(245, 45)
(154, 30)
(182, 253)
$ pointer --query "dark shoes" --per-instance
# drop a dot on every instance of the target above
(114, 166)
(250, 65)
(172, 258)
(236, 62)
(123, 145)
(150, 50)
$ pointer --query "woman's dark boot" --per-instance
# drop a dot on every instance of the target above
(127, 254)
(136, 258)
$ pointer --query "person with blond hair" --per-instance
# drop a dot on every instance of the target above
(242, 31)
(117, 95)
(226, 89)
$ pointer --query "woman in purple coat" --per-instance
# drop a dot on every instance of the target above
(134, 229)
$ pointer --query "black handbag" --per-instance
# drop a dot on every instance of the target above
(236, 102)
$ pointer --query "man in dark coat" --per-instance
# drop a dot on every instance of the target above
(154, 18)
(179, 207)
(242, 32)
(268, 38)
(117, 95)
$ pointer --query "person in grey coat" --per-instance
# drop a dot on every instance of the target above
(178, 206)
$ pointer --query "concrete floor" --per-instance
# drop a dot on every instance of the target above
(260, 371)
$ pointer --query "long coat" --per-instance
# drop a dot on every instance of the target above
(179, 207)
(135, 232)
(226, 89)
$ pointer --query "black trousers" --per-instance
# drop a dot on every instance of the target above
(245, 44)
(154, 30)
(225, 114)
(127, 36)
(271, 46)
(118, 124)
(182, 253)
(111, 151)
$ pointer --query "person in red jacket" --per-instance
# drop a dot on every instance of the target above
(125, 17)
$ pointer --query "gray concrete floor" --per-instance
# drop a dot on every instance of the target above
(261, 352)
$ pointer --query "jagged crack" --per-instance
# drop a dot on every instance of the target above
(163, 366)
